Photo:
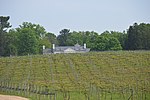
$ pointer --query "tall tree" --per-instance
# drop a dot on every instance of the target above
(122, 37)
(103, 43)
(51, 38)
(38, 29)
(11, 47)
(62, 38)
(139, 37)
(28, 43)
(4, 25)
(74, 38)
(32, 37)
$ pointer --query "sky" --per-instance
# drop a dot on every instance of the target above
(77, 15)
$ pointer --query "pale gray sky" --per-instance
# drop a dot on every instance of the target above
(77, 15)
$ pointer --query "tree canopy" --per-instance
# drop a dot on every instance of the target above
(94, 41)
(29, 38)
(4, 25)
(139, 37)
(62, 38)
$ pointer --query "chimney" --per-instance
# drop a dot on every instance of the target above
(84, 46)
(43, 47)
(53, 46)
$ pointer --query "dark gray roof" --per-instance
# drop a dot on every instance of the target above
(46, 51)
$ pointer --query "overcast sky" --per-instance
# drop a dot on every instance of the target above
(77, 15)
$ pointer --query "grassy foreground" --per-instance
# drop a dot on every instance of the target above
(121, 75)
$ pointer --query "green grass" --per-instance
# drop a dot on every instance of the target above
(103, 75)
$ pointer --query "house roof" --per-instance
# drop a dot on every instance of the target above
(76, 48)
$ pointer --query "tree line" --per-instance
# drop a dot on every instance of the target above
(29, 38)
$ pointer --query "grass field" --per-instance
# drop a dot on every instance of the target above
(121, 75)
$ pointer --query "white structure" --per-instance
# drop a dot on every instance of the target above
(53, 46)
(67, 49)
(84, 46)
(43, 47)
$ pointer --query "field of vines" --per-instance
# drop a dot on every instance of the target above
(121, 75)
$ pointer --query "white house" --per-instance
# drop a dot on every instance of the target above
(66, 49)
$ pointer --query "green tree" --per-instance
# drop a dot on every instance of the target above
(62, 38)
(103, 43)
(32, 37)
(11, 43)
(113, 44)
(139, 37)
(74, 38)
(44, 42)
(81, 37)
(122, 37)
(91, 37)
(38, 29)
(51, 38)
(67, 38)
(27, 43)
(4, 25)
(28, 38)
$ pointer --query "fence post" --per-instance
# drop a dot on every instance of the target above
(55, 96)
(39, 92)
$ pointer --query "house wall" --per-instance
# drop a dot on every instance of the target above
(69, 50)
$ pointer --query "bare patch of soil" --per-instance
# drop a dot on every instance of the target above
(8, 97)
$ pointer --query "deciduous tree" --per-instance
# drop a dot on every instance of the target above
(4, 25)
(139, 37)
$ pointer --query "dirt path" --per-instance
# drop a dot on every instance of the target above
(8, 97)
